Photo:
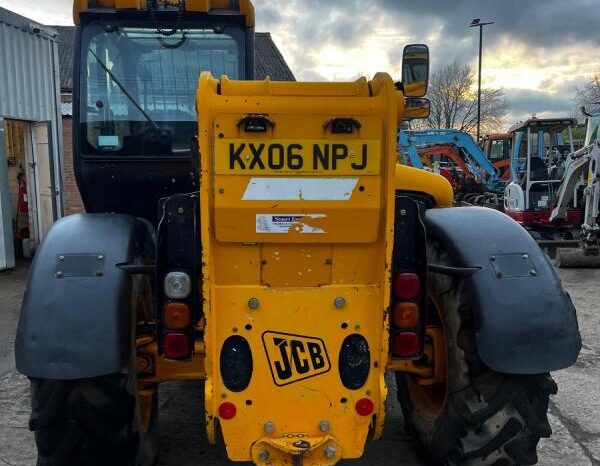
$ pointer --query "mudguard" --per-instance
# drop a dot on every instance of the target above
(525, 322)
(76, 317)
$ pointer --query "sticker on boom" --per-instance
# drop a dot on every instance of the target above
(345, 157)
(295, 357)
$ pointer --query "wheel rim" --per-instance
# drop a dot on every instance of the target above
(430, 399)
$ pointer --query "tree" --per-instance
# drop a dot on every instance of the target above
(589, 94)
(453, 95)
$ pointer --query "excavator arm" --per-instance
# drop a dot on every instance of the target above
(410, 140)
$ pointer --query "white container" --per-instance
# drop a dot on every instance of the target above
(28, 248)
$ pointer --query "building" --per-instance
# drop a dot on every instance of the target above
(30, 135)
(269, 62)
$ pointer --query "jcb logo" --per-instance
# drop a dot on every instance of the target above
(295, 357)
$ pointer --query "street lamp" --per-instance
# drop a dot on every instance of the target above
(477, 23)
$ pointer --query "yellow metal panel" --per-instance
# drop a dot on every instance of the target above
(237, 217)
(357, 88)
(416, 180)
(243, 264)
(297, 405)
(357, 231)
(287, 265)
(245, 8)
(349, 264)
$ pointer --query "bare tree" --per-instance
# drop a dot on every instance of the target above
(453, 98)
(589, 94)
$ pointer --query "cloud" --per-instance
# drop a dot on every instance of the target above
(544, 23)
(523, 103)
(43, 11)
(537, 51)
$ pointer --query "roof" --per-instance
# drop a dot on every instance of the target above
(66, 46)
(268, 62)
(25, 24)
(549, 124)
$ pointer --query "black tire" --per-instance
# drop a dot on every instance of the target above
(483, 418)
(84, 423)
(95, 421)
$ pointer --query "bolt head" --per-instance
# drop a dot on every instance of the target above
(253, 303)
(61, 258)
(59, 274)
(499, 274)
(330, 452)
(324, 426)
(269, 427)
(339, 302)
(403, 212)
(533, 272)
(263, 455)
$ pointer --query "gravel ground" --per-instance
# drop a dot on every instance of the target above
(574, 412)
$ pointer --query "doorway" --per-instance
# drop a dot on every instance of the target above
(30, 193)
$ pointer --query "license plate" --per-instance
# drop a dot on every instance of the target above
(254, 157)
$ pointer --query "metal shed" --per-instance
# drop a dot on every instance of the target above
(30, 134)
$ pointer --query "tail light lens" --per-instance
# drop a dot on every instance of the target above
(364, 407)
(177, 285)
(227, 410)
(406, 344)
(176, 316)
(406, 315)
(407, 285)
(176, 346)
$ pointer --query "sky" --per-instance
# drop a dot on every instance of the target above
(538, 51)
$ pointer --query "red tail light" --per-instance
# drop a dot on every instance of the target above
(406, 285)
(176, 346)
(176, 316)
(406, 344)
(406, 315)
(227, 410)
(364, 407)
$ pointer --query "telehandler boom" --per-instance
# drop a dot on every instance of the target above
(285, 259)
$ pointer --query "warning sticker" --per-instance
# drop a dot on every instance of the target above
(289, 223)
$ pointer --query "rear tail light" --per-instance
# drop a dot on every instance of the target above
(176, 316)
(227, 410)
(364, 407)
(407, 285)
(406, 315)
(406, 344)
(177, 285)
(176, 346)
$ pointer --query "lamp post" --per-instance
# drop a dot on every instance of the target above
(477, 23)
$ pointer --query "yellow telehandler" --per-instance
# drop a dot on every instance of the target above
(282, 256)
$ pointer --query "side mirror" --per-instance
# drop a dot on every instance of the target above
(415, 70)
(415, 108)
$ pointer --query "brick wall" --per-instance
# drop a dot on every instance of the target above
(72, 199)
